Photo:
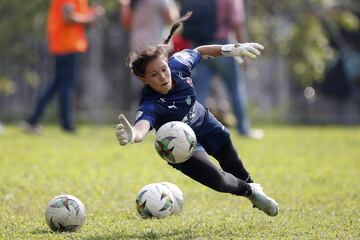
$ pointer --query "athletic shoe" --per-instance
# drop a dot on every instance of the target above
(254, 134)
(31, 128)
(261, 201)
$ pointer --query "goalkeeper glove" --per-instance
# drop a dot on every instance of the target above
(240, 50)
(124, 131)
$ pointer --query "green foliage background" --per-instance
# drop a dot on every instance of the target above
(295, 31)
(287, 28)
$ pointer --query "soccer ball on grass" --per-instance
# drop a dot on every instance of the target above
(178, 196)
(154, 200)
(65, 213)
(175, 141)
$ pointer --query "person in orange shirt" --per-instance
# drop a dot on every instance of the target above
(66, 30)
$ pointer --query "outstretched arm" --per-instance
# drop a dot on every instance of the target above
(126, 133)
(239, 50)
(209, 50)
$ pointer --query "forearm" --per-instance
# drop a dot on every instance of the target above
(209, 50)
(141, 128)
(73, 17)
(126, 133)
(139, 135)
(81, 18)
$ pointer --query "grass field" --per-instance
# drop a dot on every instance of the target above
(313, 172)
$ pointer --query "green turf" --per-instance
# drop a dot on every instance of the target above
(313, 172)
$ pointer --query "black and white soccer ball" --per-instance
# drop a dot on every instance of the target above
(65, 213)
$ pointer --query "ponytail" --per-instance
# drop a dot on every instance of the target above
(138, 59)
(177, 25)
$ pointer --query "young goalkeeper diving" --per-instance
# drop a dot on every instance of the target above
(169, 95)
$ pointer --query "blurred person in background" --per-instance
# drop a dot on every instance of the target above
(66, 26)
(147, 22)
(342, 75)
(214, 21)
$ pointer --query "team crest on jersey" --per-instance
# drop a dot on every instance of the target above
(189, 81)
(188, 100)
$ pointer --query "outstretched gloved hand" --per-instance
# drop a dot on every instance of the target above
(124, 131)
(240, 50)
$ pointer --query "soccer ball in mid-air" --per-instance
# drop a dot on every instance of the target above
(175, 141)
(178, 196)
(154, 200)
(65, 213)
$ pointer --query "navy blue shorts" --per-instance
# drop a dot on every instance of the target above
(212, 135)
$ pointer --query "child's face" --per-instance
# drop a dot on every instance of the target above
(157, 75)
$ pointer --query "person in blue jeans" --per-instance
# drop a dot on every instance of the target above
(64, 83)
(213, 23)
(169, 95)
(233, 77)
(66, 26)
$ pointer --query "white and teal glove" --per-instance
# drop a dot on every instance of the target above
(240, 50)
(124, 131)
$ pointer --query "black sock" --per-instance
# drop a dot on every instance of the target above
(244, 189)
(249, 179)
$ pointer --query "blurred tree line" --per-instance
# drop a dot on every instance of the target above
(299, 31)
(22, 31)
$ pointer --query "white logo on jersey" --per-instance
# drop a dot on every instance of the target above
(172, 106)
(163, 101)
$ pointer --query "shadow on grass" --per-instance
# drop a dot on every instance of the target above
(150, 234)
(178, 234)
(41, 231)
(44, 231)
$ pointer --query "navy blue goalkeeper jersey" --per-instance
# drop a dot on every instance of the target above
(180, 104)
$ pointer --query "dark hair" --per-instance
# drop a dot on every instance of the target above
(138, 59)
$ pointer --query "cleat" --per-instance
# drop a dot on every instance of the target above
(261, 201)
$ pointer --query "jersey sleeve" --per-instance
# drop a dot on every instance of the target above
(184, 61)
(146, 112)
